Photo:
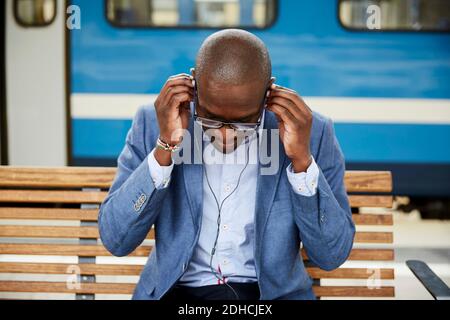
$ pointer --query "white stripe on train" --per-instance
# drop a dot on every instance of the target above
(355, 110)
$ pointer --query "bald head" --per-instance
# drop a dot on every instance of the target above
(233, 57)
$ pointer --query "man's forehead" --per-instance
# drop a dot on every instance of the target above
(243, 93)
(238, 106)
(231, 113)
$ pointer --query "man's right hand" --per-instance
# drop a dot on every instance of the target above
(173, 112)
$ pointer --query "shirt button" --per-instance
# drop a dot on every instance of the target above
(225, 227)
(227, 188)
(225, 261)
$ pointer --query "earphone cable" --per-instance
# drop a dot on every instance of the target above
(219, 208)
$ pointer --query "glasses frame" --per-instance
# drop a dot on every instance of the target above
(252, 126)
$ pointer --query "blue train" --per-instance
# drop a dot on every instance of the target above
(386, 85)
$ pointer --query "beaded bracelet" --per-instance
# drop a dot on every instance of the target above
(167, 147)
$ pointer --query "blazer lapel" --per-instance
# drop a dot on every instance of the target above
(193, 174)
(267, 184)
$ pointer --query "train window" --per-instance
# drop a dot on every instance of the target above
(191, 13)
(34, 13)
(395, 15)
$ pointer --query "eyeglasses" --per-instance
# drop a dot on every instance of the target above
(216, 124)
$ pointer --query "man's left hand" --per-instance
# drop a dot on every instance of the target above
(294, 122)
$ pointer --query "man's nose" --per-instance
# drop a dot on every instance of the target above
(228, 134)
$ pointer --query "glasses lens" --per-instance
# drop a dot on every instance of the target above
(244, 126)
(208, 123)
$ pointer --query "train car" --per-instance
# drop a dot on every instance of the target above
(76, 72)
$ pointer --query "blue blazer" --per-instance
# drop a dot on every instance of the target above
(283, 219)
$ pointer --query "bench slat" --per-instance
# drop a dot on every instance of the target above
(353, 291)
(65, 250)
(48, 214)
(92, 215)
(63, 268)
(62, 287)
(144, 251)
(135, 270)
(48, 232)
(58, 196)
(371, 219)
(66, 177)
(128, 288)
(18, 231)
(374, 237)
(51, 196)
(368, 181)
(98, 177)
(357, 201)
(350, 273)
(371, 254)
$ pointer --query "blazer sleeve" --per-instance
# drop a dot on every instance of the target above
(133, 203)
(325, 220)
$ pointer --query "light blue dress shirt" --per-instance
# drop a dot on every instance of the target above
(233, 259)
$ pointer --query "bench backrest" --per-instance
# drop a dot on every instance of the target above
(49, 241)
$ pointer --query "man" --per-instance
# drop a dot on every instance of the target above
(229, 231)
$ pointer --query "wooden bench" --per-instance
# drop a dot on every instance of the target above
(50, 247)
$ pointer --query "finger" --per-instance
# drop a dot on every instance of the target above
(277, 86)
(288, 104)
(171, 83)
(287, 93)
(178, 89)
(290, 94)
(181, 75)
(178, 99)
(285, 115)
(177, 81)
(165, 101)
(278, 91)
